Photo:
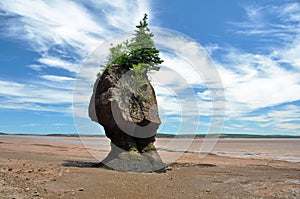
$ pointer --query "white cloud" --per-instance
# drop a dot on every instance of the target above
(252, 81)
(63, 38)
(68, 23)
(288, 126)
(288, 115)
(288, 111)
(259, 118)
(34, 97)
(290, 54)
(30, 125)
(206, 95)
(62, 42)
(56, 78)
(177, 67)
(290, 12)
(115, 16)
(262, 80)
(63, 33)
(56, 62)
(273, 118)
(5, 104)
(256, 82)
(271, 22)
(59, 124)
(211, 48)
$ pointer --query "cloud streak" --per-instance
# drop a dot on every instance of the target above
(62, 39)
(256, 82)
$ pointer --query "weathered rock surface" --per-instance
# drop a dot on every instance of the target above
(128, 112)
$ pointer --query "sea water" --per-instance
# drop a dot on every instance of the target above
(274, 149)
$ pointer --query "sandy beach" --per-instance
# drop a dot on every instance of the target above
(61, 167)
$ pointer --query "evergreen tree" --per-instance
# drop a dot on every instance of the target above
(140, 50)
(142, 47)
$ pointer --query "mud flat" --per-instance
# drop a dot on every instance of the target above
(64, 167)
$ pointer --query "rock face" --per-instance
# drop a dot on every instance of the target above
(127, 109)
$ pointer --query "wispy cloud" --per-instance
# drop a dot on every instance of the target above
(59, 124)
(55, 62)
(47, 25)
(34, 97)
(270, 21)
(63, 33)
(258, 81)
(56, 78)
(255, 82)
(289, 126)
(30, 125)
(63, 44)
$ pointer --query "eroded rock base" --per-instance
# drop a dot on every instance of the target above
(134, 161)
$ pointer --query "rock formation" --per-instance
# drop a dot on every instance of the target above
(128, 111)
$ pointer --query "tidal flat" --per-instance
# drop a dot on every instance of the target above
(64, 167)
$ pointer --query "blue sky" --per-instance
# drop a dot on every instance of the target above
(254, 45)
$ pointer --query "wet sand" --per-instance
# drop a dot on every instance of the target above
(41, 167)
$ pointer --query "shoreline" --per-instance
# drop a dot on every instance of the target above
(161, 144)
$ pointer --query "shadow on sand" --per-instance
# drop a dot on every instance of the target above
(82, 164)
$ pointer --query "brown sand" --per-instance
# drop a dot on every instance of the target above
(31, 168)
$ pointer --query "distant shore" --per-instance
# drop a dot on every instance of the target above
(61, 167)
(164, 135)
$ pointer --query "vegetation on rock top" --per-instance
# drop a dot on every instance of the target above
(139, 54)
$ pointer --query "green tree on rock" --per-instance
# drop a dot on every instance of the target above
(139, 51)
(142, 47)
